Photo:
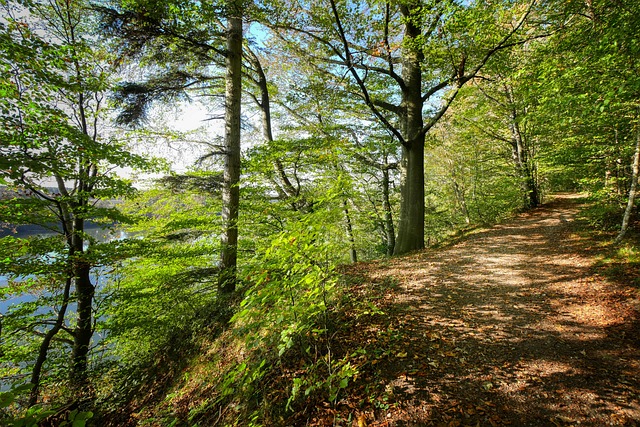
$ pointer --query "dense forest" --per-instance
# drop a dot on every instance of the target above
(183, 183)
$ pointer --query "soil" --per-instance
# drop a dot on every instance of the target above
(515, 325)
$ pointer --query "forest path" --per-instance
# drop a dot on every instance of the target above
(509, 326)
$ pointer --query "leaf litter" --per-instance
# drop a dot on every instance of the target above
(509, 326)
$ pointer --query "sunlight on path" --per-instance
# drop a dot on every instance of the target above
(518, 319)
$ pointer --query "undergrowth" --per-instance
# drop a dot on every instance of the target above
(621, 263)
(278, 356)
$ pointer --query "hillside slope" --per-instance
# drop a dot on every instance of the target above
(533, 322)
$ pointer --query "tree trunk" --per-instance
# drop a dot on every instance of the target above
(532, 185)
(84, 296)
(352, 241)
(411, 224)
(521, 158)
(632, 188)
(388, 215)
(524, 171)
(287, 189)
(84, 331)
(462, 201)
(46, 342)
(231, 187)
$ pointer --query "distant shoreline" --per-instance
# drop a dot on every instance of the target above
(26, 230)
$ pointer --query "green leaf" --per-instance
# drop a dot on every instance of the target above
(6, 399)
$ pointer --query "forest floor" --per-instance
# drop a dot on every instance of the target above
(522, 324)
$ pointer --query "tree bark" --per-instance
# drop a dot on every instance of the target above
(84, 290)
(231, 186)
(84, 331)
(411, 224)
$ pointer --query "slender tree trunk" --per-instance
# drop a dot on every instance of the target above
(46, 342)
(530, 195)
(522, 162)
(84, 331)
(264, 103)
(633, 187)
(619, 170)
(231, 187)
(352, 241)
(460, 197)
(388, 215)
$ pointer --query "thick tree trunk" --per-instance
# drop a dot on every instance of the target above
(84, 297)
(231, 187)
(632, 189)
(411, 223)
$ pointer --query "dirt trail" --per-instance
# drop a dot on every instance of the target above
(510, 326)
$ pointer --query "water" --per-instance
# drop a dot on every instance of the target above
(98, 276)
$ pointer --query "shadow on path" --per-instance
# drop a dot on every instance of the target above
(509, 326)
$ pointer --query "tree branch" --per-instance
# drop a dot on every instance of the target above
(349, 63)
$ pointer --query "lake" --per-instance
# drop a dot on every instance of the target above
(24, 231)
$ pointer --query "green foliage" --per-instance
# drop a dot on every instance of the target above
(29, 418)
(470, 175)
(164, 294)
(622, 265)
(33, 416)
(588, 98)
(291, 285)
(325, 377)
(602, 214)
(57, 163)
(289, 295)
